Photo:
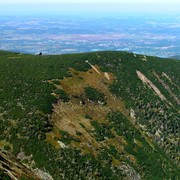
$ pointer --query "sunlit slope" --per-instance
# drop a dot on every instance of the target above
(106, 115)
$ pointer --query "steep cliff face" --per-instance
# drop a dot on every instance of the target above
(103, 115)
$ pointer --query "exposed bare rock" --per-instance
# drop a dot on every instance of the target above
(107, 75)
(22, 156)
(144, 58)
(167, 88)
(43, 175)
(164, 74)
(130, 172)
(144, 127)
(158, 133)
(151, 85)
(132, 114)
(149, 134)
(62, 144)
(92, 66)
(15, 169)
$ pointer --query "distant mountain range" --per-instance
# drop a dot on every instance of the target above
(175, 57)
(101, 115)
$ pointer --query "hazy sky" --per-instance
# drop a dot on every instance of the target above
(92, 7)
(89, 1)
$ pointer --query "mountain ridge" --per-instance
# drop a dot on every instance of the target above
(101, 115)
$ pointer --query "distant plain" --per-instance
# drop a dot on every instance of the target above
(62, 34)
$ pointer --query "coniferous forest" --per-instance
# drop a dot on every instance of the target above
(101, 115)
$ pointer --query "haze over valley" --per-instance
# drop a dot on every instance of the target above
(81, 28)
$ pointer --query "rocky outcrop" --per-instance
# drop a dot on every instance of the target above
(107, 76)
(14, 168)
(92, 66)
(167, 88)
(130, 173)
(151, 85)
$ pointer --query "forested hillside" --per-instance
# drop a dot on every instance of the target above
(101, 115)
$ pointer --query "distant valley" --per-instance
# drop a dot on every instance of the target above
(175, 57)
(149, 35)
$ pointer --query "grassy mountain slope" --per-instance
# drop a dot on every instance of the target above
(101, 115)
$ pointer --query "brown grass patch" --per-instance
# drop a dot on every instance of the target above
(71, 116)
(14, 57)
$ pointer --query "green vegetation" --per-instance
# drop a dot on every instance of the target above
(78, 133)
(4, 176)
(88, 117)
(81, 78)
(101, 131)
(94, 95)
(26, 108)
(56, 82)
(66, 138)
(7, 148)
(62, 95)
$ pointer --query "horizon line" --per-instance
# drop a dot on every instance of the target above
(172, 3)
